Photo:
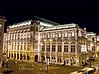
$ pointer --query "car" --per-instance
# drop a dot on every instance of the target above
(82, 71)
(90, 70)
(85, 71)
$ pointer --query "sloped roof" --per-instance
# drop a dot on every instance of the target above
(60, 26)
(43, 22)
(90, 33)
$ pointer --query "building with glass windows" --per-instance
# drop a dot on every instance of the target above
(40, 39)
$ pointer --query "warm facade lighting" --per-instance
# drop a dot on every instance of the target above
(44, 40)
(92, 45)
(50, 40)
(41, 43)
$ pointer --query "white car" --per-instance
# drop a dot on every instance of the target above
(83, 71)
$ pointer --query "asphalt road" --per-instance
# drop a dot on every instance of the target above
(37, 68)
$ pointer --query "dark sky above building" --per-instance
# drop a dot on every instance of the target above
(83, 12)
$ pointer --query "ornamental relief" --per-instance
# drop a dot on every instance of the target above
(65, 42)
(59, 39)
(59, 42)
(65, 39)
(73, 42)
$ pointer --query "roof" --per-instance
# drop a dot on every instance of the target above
(43, 22)
(20, 24)
(60, 26)
(90, 34)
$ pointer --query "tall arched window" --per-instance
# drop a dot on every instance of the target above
(59, 47)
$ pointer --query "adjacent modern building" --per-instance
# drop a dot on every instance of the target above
(40, 39)
(2, 22)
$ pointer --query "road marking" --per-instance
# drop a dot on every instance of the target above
(32, 65)
(19, 68)
(26, 68)
(32, 68)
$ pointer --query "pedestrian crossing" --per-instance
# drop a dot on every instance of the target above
(26, 68)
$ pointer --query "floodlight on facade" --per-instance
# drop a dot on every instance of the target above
(50, 40)
(92, 45)
(44, 40)
(41, 43)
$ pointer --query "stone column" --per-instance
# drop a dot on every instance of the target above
(69, 48)
(39, 47)
(16, 50)
(45, 51)
(56, 52)
(62, 52)
(50, 52)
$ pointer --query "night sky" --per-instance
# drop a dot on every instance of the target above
(83, 12)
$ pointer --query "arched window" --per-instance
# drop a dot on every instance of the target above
(59, 47)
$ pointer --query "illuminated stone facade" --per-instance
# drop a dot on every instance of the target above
(37, 40)
(5, 46)
(63, 44)
(21, 40)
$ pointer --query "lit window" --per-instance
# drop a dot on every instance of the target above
(53, 48)
(53, 35)
(93, 48)
(65, 48)
(59, 59)
(79, 34)
(48, 48)
(59, 48)
(97, 38)
(72, 33)
(59, 34)
(65, 34)
(83, 48)
(73, 48)
(42, 36)
(48, 35)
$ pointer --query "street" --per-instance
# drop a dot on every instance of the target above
(37, 68)
(19, 67)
